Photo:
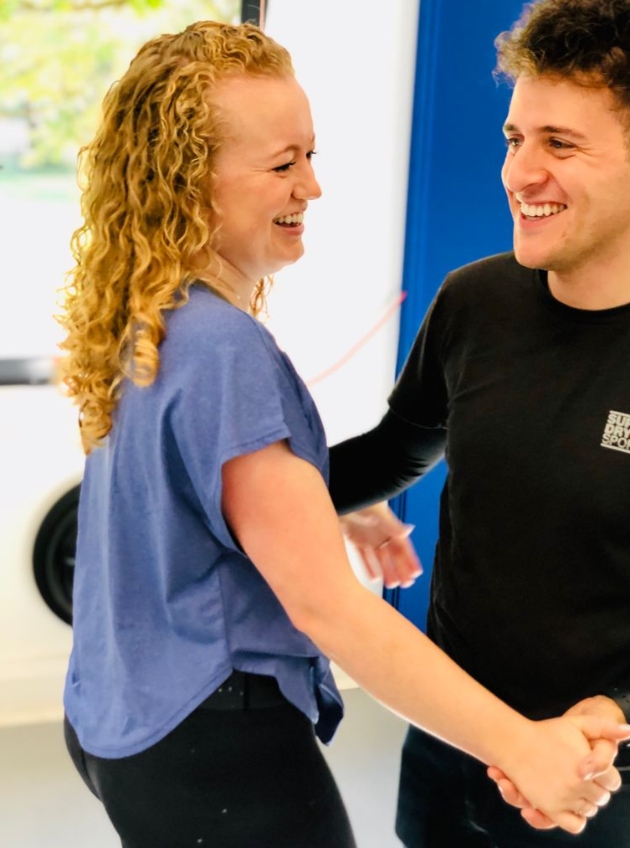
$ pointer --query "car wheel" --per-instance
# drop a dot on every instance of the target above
(54, 553)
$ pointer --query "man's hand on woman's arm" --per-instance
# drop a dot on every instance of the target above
(382, 541)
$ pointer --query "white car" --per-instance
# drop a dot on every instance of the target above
(42, 466)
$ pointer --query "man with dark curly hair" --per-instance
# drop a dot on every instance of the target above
(519, 374)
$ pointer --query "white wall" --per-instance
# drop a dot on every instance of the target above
(356, 62)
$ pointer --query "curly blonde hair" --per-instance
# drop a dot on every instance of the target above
(145, 199)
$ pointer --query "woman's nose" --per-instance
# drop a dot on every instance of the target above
(307, 187)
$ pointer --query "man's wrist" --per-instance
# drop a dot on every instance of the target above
(621, 697)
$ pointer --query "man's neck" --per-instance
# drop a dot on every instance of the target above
(604, 286)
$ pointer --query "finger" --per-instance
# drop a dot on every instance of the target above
(495, 773)
(595, 794)
(400, 560)
(569, 822)
(366, 519)
(388, 567)
(383, 517)
(618, 732)
(602, 756)
(599, 727)
(508, 790)
(588, 810)
(511, 795)
(393, 526)
(536, 819)
(370, 562)
(604, 798)
(405, 531)
(609, 779)
(373, 531)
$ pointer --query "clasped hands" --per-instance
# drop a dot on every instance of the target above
(602, 724)
(382, 541)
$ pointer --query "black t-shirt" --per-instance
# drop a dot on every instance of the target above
(531, 582)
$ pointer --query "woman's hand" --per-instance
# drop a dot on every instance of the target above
(382, 541)
(589, 782)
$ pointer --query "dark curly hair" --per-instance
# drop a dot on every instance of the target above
(586, 40)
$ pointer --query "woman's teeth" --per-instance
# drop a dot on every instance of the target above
(290, 219)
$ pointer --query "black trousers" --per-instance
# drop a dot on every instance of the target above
(224, 778)
(446, 800)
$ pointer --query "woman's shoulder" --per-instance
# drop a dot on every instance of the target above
(206, 321)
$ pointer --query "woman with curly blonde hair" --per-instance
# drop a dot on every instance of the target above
(145, 202)
(212, 582)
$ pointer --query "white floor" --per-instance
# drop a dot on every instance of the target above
(44, 804)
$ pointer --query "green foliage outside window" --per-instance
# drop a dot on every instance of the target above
(58, 57)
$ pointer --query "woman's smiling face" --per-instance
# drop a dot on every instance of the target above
(263, 173)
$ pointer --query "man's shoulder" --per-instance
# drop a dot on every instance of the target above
(489, 269)
(494, 280)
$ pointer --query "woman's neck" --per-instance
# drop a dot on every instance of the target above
(225, 279)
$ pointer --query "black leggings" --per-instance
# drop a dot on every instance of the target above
(247, 778)
(446, 800)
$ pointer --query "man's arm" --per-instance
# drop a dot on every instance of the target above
(381, 463)
(367, 470)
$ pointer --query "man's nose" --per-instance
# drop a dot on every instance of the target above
(526, 167)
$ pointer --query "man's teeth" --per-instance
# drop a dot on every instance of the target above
(542, 211)
(291, 219)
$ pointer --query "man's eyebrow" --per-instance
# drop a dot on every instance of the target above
(548, 129)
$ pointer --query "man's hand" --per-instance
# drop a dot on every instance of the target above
(382, 541)
(604, 751)
(597, 765)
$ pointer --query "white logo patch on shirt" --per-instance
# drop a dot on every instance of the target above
(616, 435)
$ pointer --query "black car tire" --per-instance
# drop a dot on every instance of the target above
(54, 553)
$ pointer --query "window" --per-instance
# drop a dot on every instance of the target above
(58, 59)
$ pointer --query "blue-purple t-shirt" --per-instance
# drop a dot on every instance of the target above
(165, 604)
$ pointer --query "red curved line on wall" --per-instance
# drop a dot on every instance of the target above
(362, 341)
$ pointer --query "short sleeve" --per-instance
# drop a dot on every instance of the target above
(225, 394)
